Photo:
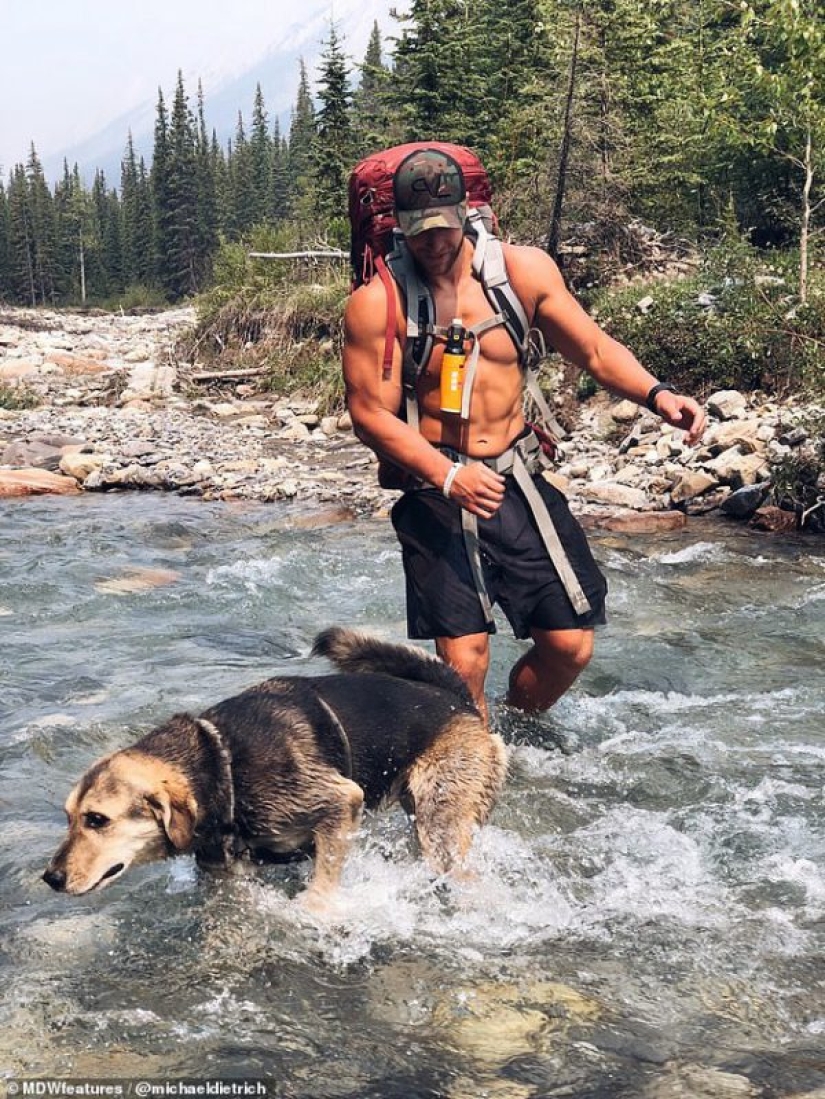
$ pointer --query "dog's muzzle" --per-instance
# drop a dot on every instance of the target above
(56, 879)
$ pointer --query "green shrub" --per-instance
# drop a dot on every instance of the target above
(284, 315)
(737, 323)
(14, 398)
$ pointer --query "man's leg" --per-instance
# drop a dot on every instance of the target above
(470, 657)
(553, 664)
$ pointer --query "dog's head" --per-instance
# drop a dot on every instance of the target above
(129, 808)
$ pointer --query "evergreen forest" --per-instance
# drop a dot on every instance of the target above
(697, 118)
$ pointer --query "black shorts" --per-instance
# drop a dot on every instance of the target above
(442, 600)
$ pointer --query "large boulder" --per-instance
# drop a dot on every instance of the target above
(35, 482)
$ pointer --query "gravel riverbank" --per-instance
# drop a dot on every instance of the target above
(115, 411)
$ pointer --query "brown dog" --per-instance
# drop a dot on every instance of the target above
(287, 765)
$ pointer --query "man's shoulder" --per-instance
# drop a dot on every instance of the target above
(531, 270)
(367, 304)
(526, 257)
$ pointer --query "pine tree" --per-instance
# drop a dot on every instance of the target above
(436, 65)
(207, 199)
(130, 199)
(219, 166)
(41, 206)
(260, 162)
(302, 138)
(372, 113)
(21, 270)
(242, 188)
(162, 216)
(334, 147)
(279, 176)
(184, 260)
(143, 230)
(4, 243)
(72, 218)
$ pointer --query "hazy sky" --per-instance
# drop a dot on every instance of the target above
(68, 67)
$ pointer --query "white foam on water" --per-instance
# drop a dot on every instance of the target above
(43, 724)
(183, 875)
(646, 869)
(815, 594)
(136, 1018)
(593, 707)
(252, 574)
(698, 553)
(227, 1008)
(800, 872)
(769, 789)
(639, 869)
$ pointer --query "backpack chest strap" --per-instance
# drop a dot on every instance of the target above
(471, 366)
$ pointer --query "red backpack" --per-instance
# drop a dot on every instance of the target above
(371, 201)
(372, 214)
(376, 248)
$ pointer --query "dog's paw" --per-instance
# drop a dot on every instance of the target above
(319, 904)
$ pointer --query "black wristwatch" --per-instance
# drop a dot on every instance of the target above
(660, 387)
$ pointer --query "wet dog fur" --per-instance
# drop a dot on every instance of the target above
(287, 766)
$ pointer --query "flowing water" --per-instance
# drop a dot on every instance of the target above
(647, 913)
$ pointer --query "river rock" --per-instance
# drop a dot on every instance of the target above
(35, 482)
(738, 469)
(148, 381)
(558, 480)
(624, 412)
(727, 404)
(635, 522)
(136, 580)
(744, 434)
(750, 471)
(40, 451)
(699, 1082)
(77, 464)
(794, 437)
(258, 447)
(773, 520)
(742, 503)
(616, 495)
(15, 370)
(691, 485)
(74, 365)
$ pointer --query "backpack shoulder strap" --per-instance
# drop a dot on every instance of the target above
(421, 327)
(491, 270)
(392, 315)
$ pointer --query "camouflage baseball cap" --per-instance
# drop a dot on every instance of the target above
(429, 193)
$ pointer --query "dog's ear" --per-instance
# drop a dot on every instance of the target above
(176, 809)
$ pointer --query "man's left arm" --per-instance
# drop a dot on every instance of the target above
(576, 336)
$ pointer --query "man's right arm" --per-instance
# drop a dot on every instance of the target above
(374, 403)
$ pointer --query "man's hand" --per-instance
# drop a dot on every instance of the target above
(682, 412)
(478, 489)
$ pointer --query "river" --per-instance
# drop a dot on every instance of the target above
(647, 915)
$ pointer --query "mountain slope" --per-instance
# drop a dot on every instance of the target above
(276, 69)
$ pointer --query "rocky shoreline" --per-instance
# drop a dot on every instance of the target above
(115, 410)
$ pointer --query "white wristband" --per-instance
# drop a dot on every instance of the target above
(448, 480)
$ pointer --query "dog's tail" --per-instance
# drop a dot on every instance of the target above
(352, 651)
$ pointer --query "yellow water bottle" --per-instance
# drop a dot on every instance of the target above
(452, 368)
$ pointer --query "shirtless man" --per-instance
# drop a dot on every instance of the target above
(442, 600)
